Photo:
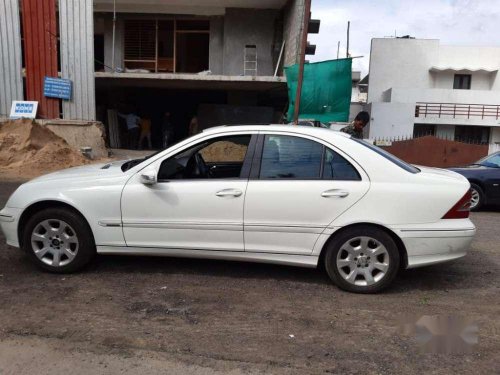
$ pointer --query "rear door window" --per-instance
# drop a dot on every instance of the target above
(336, 167)
(286, 157)
(289, 157)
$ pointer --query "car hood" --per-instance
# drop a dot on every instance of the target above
(86, 171)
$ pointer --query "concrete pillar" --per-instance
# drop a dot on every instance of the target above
(76, 20)
(216, 59)
(108, 44)
(293, 18)
(11, 80)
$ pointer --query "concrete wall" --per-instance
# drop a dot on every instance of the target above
(472, 57)
(400, 63)
(80, 134)
(248, 26)
(406, 64)
(216, 58)
(391, 119)
(479, 80)
(413, 95)
(292, 30)
(406, 71)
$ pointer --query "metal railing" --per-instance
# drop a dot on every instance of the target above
(454, 110)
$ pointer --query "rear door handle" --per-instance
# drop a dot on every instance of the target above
(335, 193)
(229, 193)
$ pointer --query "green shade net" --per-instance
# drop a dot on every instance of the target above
(326, 90)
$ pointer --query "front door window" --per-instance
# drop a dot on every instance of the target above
(216, 158)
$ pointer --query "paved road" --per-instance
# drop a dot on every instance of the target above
(150, 315)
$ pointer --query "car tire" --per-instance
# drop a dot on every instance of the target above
(362, 259)
(477, 196)
(58, 240)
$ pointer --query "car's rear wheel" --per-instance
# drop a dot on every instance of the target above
(362, 260)
(58, 240)
(477, 197)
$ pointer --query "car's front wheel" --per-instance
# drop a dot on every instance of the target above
(362, 260)
(58, 240)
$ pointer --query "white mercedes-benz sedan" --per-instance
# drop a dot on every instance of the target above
(282, 194)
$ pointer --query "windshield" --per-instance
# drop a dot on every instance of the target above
(400, 163)
(492, 161)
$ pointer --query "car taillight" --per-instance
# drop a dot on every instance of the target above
(461, 209)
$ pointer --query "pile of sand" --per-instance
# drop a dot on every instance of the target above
(224, 151)
(28, 149)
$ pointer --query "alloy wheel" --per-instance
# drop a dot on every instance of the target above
(475, 198)
(54, 242)
(363, 261)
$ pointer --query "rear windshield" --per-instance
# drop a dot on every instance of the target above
(400, 163)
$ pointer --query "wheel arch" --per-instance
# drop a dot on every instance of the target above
(399, 242)
(478, 182)
(41, 205)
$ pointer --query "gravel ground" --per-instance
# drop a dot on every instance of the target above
(157, 315)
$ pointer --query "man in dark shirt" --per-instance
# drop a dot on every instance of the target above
(356, 128)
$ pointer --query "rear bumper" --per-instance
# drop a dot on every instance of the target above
(9, 219)
(445, 242)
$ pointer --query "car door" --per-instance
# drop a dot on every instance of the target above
(490, 176)
(491, 180)
(297, 187)
(191, 207)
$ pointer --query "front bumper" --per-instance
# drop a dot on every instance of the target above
(442, 243)
(9, 219)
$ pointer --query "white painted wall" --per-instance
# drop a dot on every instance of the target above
(479, 80)
(400, 63)
(391, 119)
(407, 71)
(413, 95)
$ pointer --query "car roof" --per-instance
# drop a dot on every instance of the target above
(319, 132)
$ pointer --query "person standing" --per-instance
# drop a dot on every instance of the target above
(193, 126)
(145, 132)
(132, 121)
(167, 130)
(355, 129)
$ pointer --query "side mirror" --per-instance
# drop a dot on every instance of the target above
(148, 177)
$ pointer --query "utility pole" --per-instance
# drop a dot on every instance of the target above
(338, 49)
(305, 31)
(348, 29)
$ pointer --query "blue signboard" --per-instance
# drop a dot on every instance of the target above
(57, 88)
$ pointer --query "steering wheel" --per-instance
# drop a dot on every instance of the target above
(203, 169)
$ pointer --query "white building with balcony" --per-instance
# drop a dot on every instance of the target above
(419, 87)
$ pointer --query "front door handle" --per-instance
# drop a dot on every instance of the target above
(229, 193)
(335, 193)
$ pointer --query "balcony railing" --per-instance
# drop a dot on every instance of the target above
(453, 110)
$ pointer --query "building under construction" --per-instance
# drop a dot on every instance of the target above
(219, 60)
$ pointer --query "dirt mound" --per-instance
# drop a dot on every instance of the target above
(224, 151)
(28, 149)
